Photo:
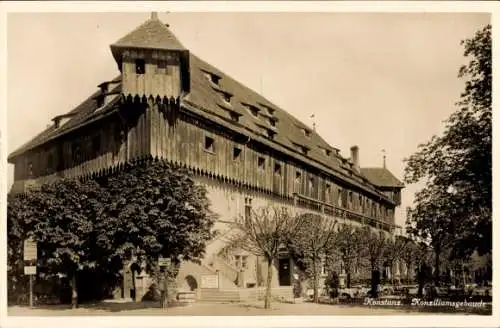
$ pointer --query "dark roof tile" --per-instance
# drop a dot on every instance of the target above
(381, 177)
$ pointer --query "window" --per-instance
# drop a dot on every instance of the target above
(140, 66)
(304, 150)
(271, 134)
(252, 109)
(212, 78)
(244, 262)
(237, 261)
(328, 152)
(30, 169)
(298, 176)
(227, 98)
(277, 169)
(100, 101)
(248, 207)
(50, 163)
(261, 162)
(163, 68)
(236, 153)
(311, 183)
(234, 116)
(328, 190)
(339, 200)
(307, 133)
(96, 144)
(360, 199)
(76, 153)
(209, 144)
(272, 121)
(350, 198)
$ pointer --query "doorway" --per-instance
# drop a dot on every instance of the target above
(284, 272)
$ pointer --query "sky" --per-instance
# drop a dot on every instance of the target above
(381, 81)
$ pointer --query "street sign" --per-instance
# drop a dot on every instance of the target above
(163, 261)
(30, 270)
(29, 250)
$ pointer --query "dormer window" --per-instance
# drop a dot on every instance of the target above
(214, 79)
(234, 116)
(271, 134)
(227, 98)
(163, 68)
(100, 101)
(305, 150)
(328, 152)
(307, 133)
(140, 66)
(272, 122)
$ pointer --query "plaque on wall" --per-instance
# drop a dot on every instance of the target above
(210, 281)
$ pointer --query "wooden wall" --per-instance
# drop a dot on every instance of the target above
(155, 81)
(152, 131)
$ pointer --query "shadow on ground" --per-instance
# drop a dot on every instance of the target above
(108, 306)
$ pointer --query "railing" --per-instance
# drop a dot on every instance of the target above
(332, 210)
(225, 268)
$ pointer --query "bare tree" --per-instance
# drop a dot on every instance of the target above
(309, 245)
(349, 245)
(394, 251)
(263, 233)
(375, 248)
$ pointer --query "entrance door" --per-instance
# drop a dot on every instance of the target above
(284, 272)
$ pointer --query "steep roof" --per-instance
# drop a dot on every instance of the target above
(381, 177)
(152, 34)
(208, 86)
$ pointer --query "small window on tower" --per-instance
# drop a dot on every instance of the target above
(140, 66)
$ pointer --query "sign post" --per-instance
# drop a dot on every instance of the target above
(165, 263)
(30, 256)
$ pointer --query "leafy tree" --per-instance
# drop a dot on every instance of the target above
(456, 200)
(349, 245)
(309, 245)
(60, 216)
(155, 210)
(263, 233)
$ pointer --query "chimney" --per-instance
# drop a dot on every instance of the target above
(154, 15)
(355, 157)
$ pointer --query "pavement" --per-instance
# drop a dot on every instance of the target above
(209, 309)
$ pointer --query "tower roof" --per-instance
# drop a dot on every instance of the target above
(381, 177)
(152, 34)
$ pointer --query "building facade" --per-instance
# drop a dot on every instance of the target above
(168, 104)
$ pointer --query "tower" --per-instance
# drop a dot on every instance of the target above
(152, 61)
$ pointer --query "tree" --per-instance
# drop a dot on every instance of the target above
(309, 245)
(375, 244)
(155, 210)
(263, 233)
(457, 164)
(393, 252)
(60, 216)
(409, 254)
(349, 245)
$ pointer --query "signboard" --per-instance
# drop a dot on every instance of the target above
(210, 281)
(163, 261)
(29, 250)
(30, 270)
